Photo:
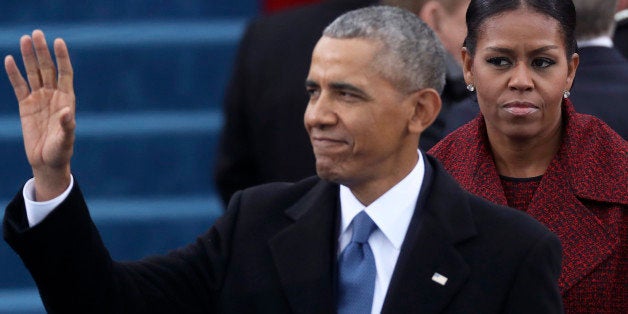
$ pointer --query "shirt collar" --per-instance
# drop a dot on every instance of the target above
(623, 14)
(392, 211)
(603, 41)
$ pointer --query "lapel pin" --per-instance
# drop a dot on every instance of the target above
(440, 279)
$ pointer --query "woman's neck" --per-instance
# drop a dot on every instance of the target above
(524, 158)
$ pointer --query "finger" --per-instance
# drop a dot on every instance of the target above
(30, 62)
(15, 77)
(66, 74)
(46, 66)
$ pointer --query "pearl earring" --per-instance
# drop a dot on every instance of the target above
(566, 94)
(470, 87)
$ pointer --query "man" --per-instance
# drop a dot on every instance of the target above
(382, 228)
(620, 37)
(263, 139)
(600, 87)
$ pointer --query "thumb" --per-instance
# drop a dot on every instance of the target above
(67, 120)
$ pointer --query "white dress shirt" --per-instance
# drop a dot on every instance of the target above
(391, 213)
(37, 211)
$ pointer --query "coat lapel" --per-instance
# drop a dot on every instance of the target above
(586, 240)
(485, 179)
(441, 220)
(475, 168)
(305, 256)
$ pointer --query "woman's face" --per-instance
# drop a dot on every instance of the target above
(520, 72)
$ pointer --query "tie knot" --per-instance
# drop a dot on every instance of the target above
(363, 226)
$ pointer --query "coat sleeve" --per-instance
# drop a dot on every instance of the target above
(75, 273)
(535, 287)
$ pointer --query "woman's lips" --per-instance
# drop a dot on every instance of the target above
(520, 108)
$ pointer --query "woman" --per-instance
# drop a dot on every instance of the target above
(530, 150)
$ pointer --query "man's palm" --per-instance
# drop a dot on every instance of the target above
(45, 139)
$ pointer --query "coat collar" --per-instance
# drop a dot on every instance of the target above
(593, 152)
(597, 170)
(429, 248)
(304, 252)
(586, 241)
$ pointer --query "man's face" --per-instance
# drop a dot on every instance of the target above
(448, 20)
(453, 29)
(357, 120)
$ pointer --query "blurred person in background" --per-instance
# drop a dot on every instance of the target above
(270, 6)
(601, 86)
(621, 30)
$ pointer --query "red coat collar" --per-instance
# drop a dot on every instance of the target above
(593, 152)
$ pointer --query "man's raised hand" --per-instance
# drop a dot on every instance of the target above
(47, 111)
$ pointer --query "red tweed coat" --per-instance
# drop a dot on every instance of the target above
(582, 197)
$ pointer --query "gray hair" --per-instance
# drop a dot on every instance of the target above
(594, 18)
(412, 57)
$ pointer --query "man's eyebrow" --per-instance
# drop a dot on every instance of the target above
(340, 86)
(349, 88)
(310, 83)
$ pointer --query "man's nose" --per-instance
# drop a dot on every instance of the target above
(320, 112)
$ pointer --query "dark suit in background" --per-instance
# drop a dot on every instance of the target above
(620, 38)
(263, 139)
(601, 87)
(274, 251)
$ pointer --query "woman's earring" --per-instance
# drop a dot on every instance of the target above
(470, 87)
(566, 94)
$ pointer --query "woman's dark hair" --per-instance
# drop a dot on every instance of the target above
(562, 11)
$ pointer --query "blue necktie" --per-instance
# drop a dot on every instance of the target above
(356, 278)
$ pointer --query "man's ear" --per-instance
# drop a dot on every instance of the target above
(427, 104)
(430, 14)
